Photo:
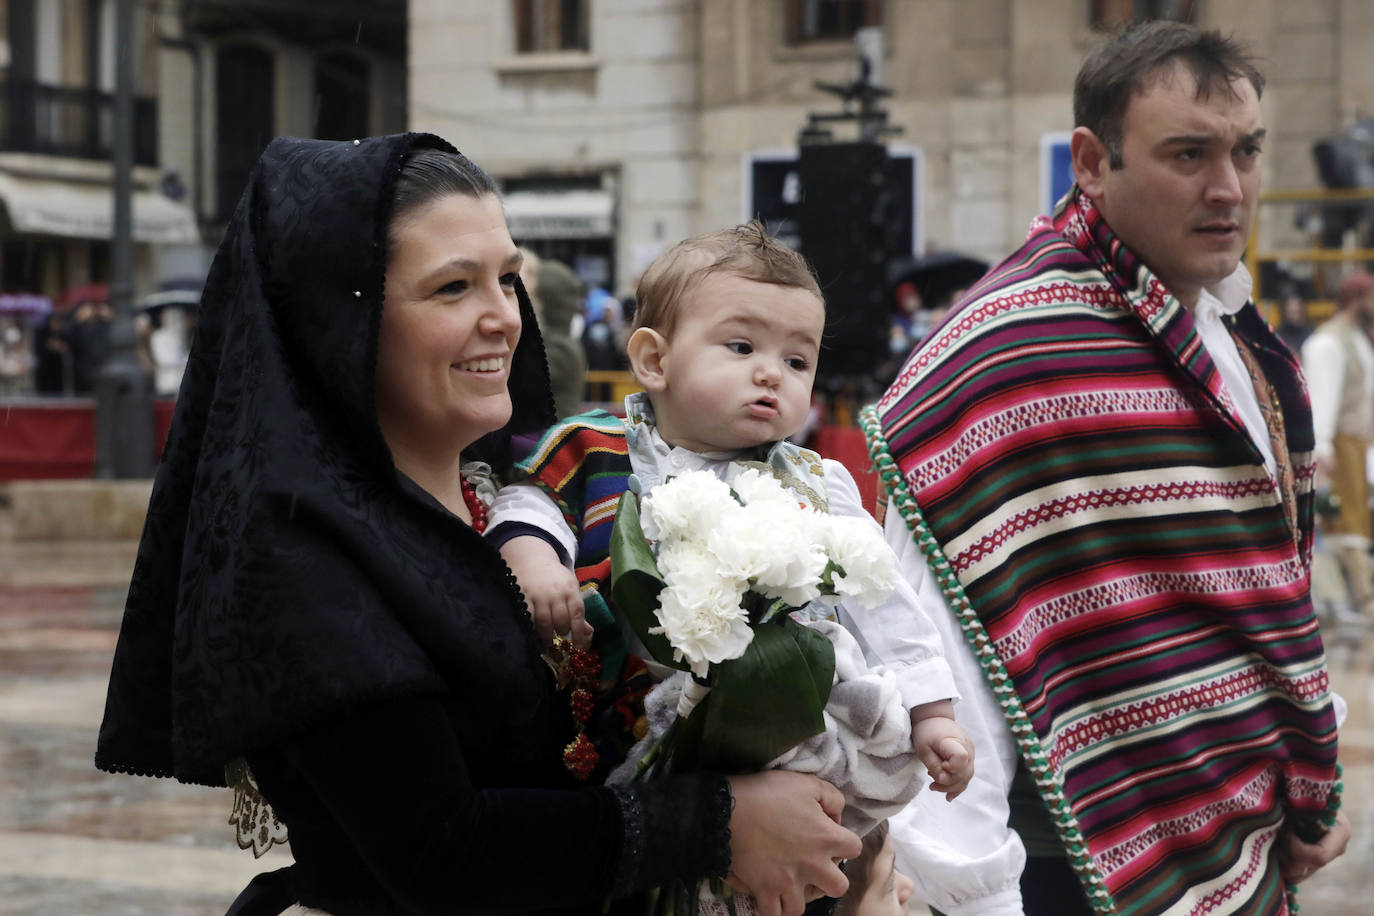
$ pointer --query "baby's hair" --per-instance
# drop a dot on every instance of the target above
(746, 251)
(860, 871)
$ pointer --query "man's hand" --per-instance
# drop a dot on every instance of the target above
(1299, 861)
(550, 588)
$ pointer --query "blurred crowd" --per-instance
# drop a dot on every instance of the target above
(56, 349)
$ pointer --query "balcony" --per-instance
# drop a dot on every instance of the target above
(72, 122)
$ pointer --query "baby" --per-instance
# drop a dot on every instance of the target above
(727, 333)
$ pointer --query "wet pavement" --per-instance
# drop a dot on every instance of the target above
(75, 841)
(78, 842)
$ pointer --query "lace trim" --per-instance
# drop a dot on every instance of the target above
(632, 842)
(718, 865)
(257, 826)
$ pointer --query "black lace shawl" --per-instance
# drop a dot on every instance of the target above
(287, 572)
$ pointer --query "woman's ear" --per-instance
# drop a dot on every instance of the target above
(647, 349)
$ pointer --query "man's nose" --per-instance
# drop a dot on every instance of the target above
(1223, 183)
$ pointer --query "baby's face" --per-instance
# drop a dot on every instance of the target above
(888, 889)
(739, 365)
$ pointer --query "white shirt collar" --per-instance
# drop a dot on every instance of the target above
(1225, 297)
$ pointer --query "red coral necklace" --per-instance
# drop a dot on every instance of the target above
(476, 508)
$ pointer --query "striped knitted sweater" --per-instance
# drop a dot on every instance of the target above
(583, 464)
(1124, 567)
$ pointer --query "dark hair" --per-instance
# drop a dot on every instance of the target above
(1123, 67)
(430, 174)
(746, 251)
(860, 871)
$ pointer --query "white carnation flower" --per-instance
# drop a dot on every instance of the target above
(704, 622)
(869, 567)
(754, 486)
(684, 505)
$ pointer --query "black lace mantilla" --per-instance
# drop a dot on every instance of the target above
(286, 571)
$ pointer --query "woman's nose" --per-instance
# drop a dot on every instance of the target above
(502, 314)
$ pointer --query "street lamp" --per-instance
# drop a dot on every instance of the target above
(123, 388)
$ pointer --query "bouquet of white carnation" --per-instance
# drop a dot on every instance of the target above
(708, 575)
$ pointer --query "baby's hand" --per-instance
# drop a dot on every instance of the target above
(550, 588)
(946, 750)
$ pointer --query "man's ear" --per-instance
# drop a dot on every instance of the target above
(1090, 161)
(647, 349)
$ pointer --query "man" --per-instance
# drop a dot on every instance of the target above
(1339, 363)
(1104, 456)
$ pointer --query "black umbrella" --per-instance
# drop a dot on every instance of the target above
(936, 275)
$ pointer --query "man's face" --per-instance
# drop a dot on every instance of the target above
(1183, 199)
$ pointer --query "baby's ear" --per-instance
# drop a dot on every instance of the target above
(647, 349)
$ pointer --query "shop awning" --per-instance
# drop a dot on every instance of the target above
(86, 211)
(559, 214)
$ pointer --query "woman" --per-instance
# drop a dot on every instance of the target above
(312, 606)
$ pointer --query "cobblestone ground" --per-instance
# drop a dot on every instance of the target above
(75, 841)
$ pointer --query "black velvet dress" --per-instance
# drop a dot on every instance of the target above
(299, 604)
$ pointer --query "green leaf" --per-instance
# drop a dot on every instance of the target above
(636, 581)
(766, 701)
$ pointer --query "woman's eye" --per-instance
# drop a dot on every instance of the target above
(508, 280)
(453, 288)
(742, 347)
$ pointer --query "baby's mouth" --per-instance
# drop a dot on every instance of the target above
(766, 407)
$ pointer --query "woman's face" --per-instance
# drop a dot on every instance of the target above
(450, 322)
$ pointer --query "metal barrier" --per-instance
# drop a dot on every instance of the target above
(1320, 308)
(608, 388)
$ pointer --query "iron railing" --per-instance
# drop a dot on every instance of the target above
(64, 121)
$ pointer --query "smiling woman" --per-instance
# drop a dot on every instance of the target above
(313, 619)
(450, 324)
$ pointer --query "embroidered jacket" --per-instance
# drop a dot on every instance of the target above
(1131, 577)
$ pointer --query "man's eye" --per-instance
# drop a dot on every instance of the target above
(742, 347)
(1188, 155)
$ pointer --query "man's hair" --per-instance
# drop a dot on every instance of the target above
(1143, 51)
(746, 251)
(1352, 288)
(860, 871)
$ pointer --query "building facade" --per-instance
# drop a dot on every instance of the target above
(660, 111)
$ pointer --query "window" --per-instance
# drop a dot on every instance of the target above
(828, 20)
(244, 118)
(1108, 14)
(342, 96)
(549, 26)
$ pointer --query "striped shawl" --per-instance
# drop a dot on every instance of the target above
(1124, 567)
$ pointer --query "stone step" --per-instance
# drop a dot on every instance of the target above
(73, 510)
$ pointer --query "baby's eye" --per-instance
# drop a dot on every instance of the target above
(798, 363)
(508, 280)
(742, 347)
